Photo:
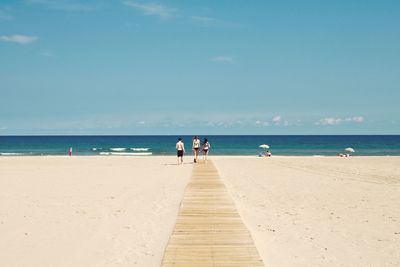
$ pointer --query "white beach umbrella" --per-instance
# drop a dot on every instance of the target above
(265, 146)
(350, 149)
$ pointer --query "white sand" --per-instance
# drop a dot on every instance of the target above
(120, 211)
(88, 211)
(308, 211)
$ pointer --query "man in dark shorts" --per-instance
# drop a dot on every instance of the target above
(180, 149)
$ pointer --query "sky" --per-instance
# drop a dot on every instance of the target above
(199, 67)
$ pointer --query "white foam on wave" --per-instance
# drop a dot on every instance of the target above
(12, 154)
(126, 153)
(140, 149)
(118, 149)
(131, 154)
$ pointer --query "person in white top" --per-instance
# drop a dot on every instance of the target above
(196, 147)
(180, 149)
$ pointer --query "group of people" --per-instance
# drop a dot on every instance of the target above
(196, 146)
(265, 153)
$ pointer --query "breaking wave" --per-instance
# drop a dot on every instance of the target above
(126, 153)
(118, 149)
(139, 149)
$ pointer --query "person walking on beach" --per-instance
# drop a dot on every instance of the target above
(206, 147)
(180, 149)
(196, 147)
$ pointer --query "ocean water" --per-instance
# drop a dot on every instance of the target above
(365, 145)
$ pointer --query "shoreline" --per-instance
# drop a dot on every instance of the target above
(191, 155)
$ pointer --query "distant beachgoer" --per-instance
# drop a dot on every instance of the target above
(180, 149)
(206, 147)
(196, 147)
(266, 153)
(70, 151)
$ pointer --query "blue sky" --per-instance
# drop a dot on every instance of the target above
(199, 67)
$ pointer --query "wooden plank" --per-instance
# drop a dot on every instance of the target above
(209, 230)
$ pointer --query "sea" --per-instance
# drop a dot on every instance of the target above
(285, 145)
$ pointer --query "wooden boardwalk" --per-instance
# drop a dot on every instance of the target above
(209, 230)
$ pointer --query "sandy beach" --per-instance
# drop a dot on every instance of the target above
(120, 211)
(319, 211)
(88, 211)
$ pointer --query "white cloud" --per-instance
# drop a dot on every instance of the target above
(358, 119)
(223, 59)
(329, 121)
(276, 119)
(141, 122)
(152, 9)
(263, 123)
(67, 5)
(336, 121)
(205, 21)
(20, 39)
(165, 12)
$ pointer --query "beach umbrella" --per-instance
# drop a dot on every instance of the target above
(350, 149)
(265, 146)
